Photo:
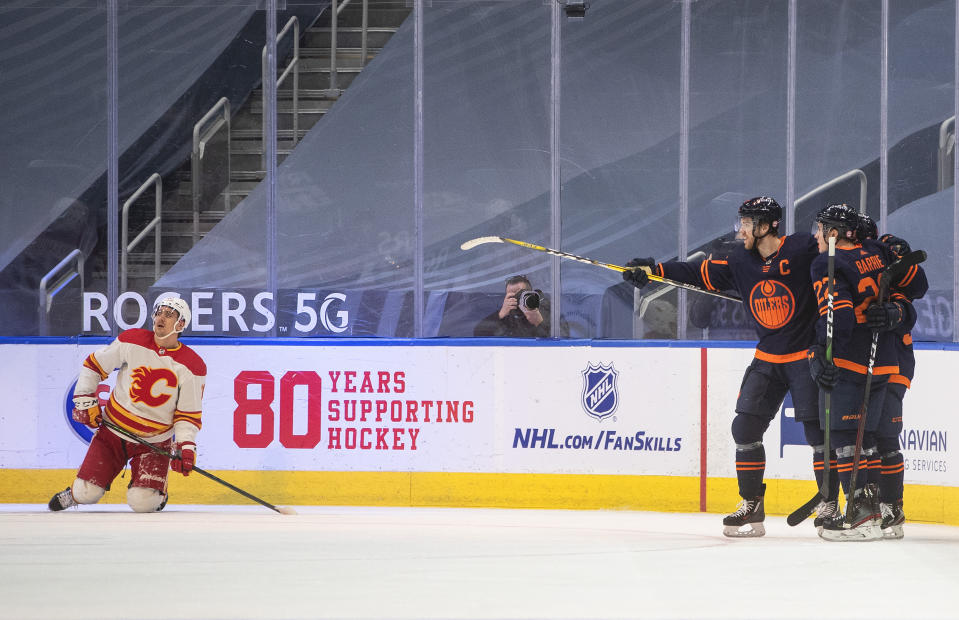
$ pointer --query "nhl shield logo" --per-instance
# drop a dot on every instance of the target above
(600, 393)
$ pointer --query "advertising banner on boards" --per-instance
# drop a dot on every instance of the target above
(361, 406)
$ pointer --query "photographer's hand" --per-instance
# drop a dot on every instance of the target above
(510, 304)
(534, 316)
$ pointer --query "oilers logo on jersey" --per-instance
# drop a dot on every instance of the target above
(772, 303)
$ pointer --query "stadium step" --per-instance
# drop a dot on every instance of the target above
(315, 98)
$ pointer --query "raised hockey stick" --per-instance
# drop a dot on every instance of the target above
(472, 243)
(894, 270)
(283, 510)
(805, 511)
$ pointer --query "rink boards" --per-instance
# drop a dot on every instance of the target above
(456, 423)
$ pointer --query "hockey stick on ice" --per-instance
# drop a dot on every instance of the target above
(472, 243)
(283, 510)
(895, 270)
(805, 511)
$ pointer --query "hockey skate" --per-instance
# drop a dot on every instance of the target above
(861, 526)
(747, 521)
(827, 509)
(62, 500)
(892, 519)
(162, 505)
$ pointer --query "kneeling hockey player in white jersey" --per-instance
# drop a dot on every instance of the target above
(157, 398)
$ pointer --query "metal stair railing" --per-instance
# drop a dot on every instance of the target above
(336, 9)
(220, 111)
(947, 148)
(293, 67)
(125, 245)
(48, 291)
(840, 179)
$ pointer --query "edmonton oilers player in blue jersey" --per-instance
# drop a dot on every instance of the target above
(771, 273)
(856, 317)
(885, 462)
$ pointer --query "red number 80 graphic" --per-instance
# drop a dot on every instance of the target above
(261, 406)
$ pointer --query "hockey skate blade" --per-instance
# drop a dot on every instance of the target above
(739, 531)
(863, 533)
(892, 533)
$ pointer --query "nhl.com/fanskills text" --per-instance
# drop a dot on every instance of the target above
(606, 439)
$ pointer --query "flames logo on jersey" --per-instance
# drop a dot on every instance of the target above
(772, 304)
(144, 378)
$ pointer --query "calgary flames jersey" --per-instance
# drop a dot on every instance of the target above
(776, 291)
(158, 391)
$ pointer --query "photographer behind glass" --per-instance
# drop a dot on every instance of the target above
(524, 313)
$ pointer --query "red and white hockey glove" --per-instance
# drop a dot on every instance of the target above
(187, 452)
(86, 410)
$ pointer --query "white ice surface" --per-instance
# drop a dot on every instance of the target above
(235, 562)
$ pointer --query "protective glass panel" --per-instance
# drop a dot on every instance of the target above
(619, 162)
(344, 176)
(189, 112)
(486, 162)
(922, 139)
(838, 73)
(230, 271)
(53, 163)
(737, 135)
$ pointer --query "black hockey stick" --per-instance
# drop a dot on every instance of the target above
(805, 511)
(283, 510)
(894, 270)
(472, 243)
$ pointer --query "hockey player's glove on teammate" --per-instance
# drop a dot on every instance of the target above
(884, 317)
(86, 410)
(187, 452)
(639, 277)
(821, 369)
(897, 245)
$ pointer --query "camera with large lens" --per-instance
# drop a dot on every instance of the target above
(528, 300)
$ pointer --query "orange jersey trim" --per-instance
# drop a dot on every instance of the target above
(900, 380)
(704, 272)
(859, 368)
(780, 359)
(910, 275)
(837, 305)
